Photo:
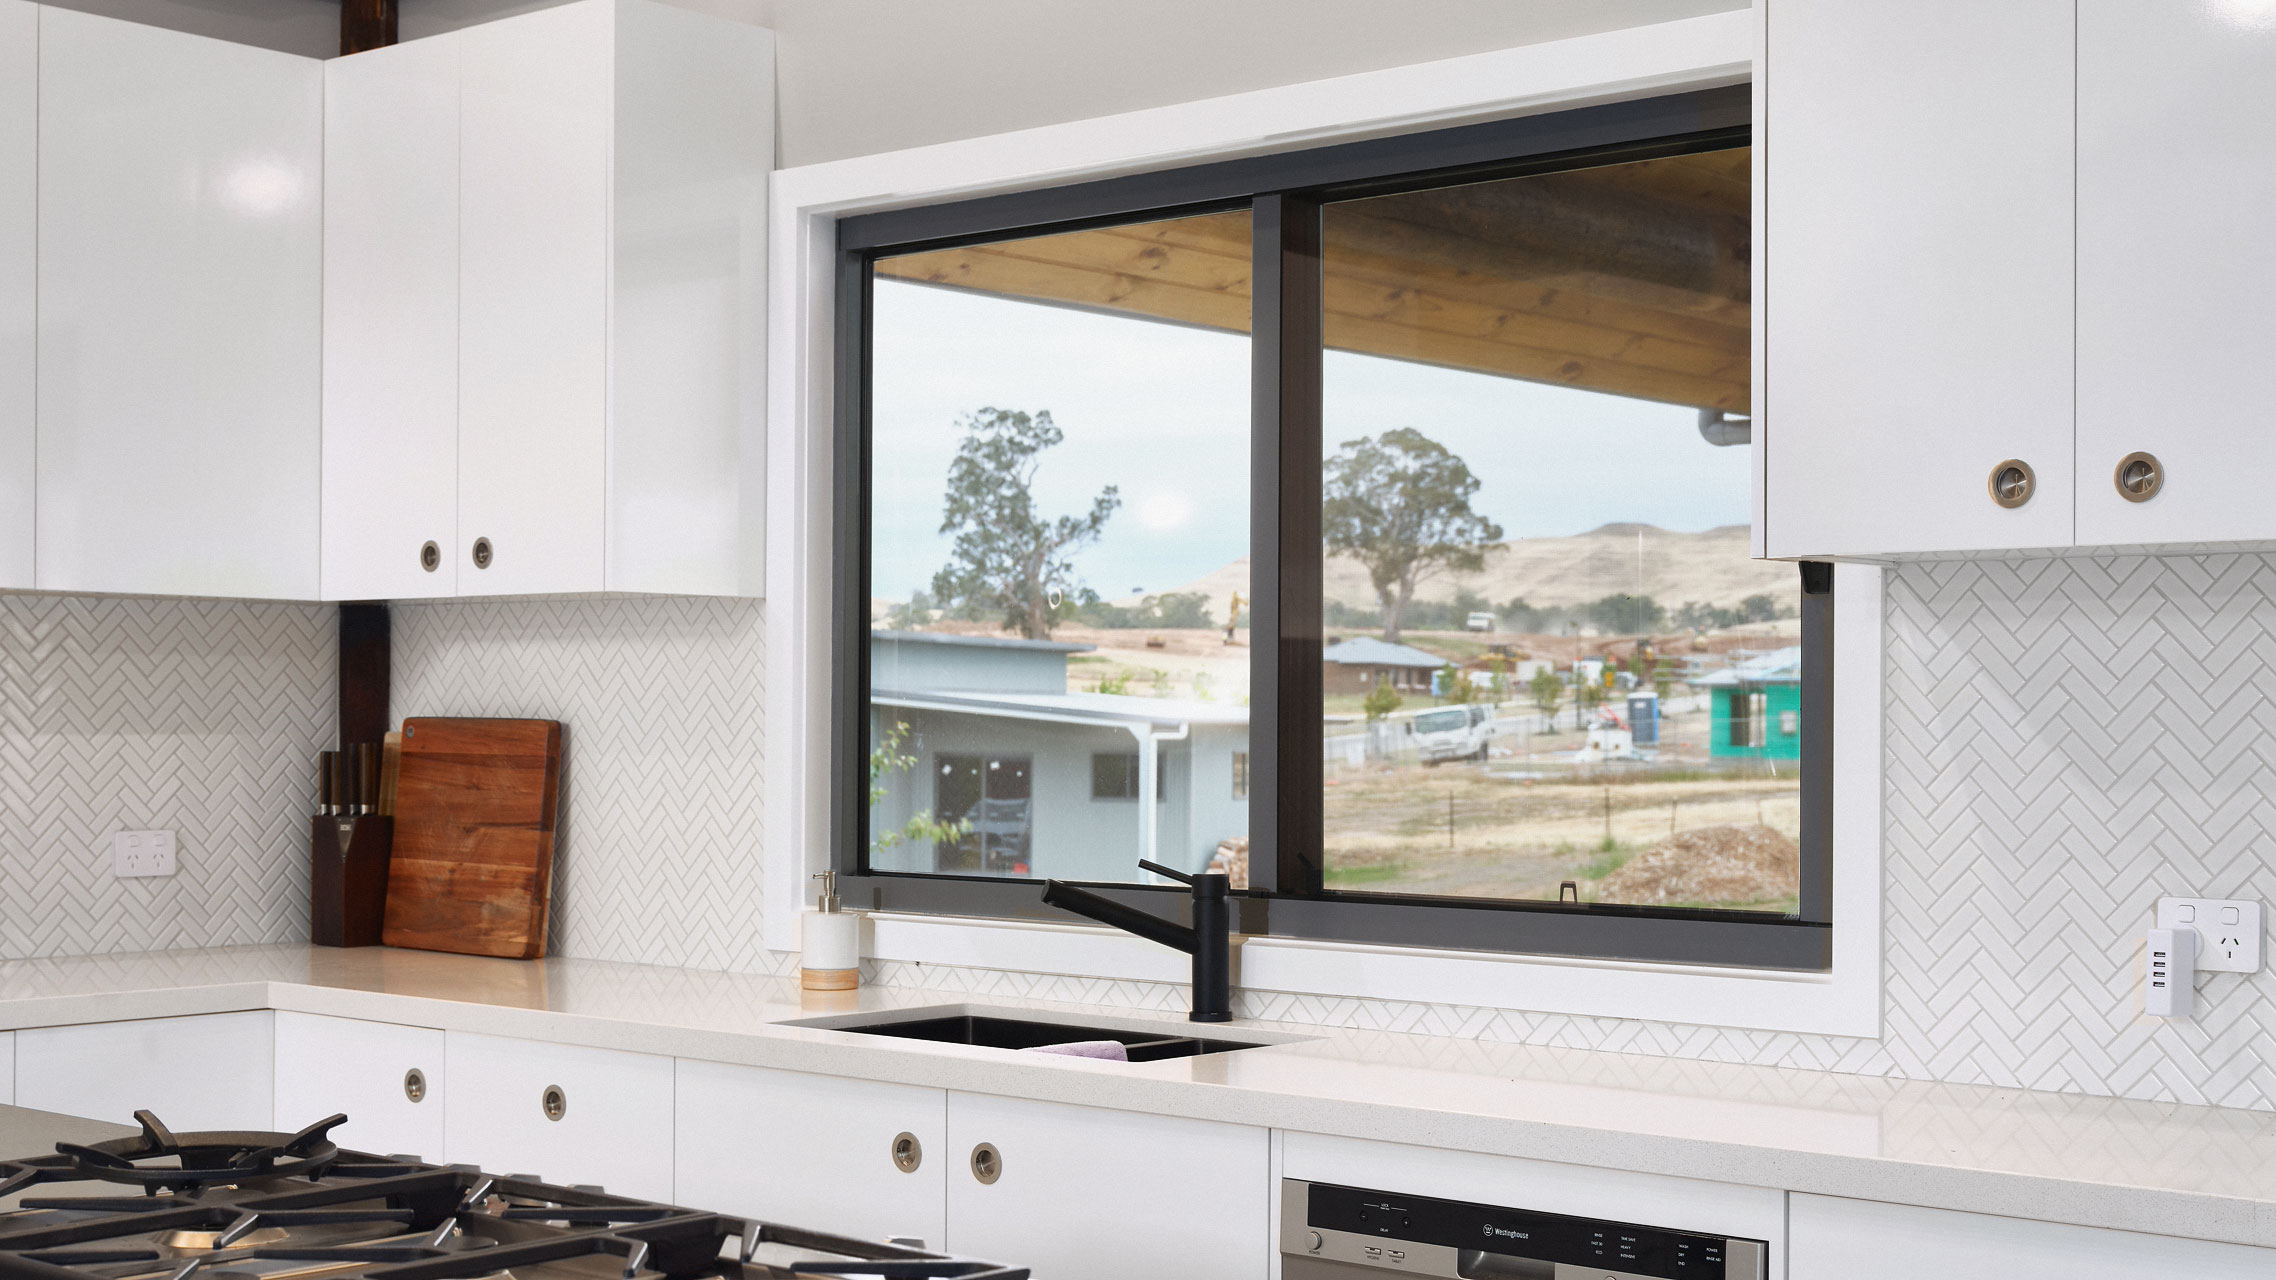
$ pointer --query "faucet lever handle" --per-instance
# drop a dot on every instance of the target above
(1160, 870)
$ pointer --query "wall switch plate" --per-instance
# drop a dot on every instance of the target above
(142, 853)
(2228, 931)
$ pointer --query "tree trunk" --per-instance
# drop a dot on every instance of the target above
(1393, 607)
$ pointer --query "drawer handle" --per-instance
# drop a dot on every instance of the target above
(430, 555)
(415, 1085)
(554, 1102)
(481, 553)
(2012, 483)
(2139, 476)
(987, 1163)
(908, 1153)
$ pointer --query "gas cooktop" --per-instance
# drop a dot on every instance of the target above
(272, 1206)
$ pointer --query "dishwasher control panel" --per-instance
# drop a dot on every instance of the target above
(1332, 1231)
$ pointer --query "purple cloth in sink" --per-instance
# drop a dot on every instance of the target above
(1109, 1050)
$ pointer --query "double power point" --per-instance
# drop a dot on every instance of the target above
(2197, 935)
(142, 853)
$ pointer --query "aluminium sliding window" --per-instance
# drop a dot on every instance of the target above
(1404, 483)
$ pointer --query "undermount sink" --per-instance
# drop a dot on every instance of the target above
(998, 1032)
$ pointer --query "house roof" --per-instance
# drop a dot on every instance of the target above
(1779, 666)
(980, 642)
(1095, 708)
(1367, 651)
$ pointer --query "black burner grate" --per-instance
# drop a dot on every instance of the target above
(411, 1221)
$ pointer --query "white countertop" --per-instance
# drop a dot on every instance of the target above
(2201, 1172)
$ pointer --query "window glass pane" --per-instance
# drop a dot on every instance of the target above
(1550, 657)
(1059, 552)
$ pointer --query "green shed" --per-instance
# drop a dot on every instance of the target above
(1757, 707)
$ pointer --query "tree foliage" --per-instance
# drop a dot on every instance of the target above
(886, 759)
(1400, 505)
(1008, 559)
(1548, 692)
(1381, 700)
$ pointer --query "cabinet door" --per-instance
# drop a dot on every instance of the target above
(327, 1065)
(391, 321)
(19, 258)
(534, 98)
(215, 1071)
(180, 260)
(2176, 173)
(614, 1128)
(1833, 1239)
(1917, 238)
(7, 1068)
(1088, 1194)
(830, 1146)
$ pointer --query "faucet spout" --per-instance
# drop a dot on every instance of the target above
(1208, 941)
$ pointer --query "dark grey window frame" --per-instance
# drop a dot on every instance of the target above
(1285, 193)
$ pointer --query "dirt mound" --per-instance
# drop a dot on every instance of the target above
(1749, 863)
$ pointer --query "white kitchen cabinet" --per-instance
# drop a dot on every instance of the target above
(212, 1071)
(612, 1127)
(366, 1070)
(2176, 172)
(7, 1067)
(180, 260)
(19, 266)
(820, 1151)
(602, 165)
(1083, 1193)
(1917, 314)
(391, 179)
(1835, 1239)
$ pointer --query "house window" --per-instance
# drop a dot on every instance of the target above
(991, 800)
(1116, 775)
(1497, 639)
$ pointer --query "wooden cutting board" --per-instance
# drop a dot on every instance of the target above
(472, 867)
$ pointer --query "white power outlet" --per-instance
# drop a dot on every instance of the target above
(2228, 931)
(142, 853)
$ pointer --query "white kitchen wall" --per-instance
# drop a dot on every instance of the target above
(657, 849)
(199, 716)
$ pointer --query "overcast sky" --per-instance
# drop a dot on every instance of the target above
(1163, 411)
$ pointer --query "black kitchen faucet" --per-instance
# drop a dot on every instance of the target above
(1209, 941)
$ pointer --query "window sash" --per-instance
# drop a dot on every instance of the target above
(1285, 194)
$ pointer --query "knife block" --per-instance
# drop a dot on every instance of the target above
(347, 879)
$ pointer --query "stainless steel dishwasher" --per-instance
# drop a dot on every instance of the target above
(1330, 1232)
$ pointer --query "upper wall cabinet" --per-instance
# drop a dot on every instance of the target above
(180, 252)
(391, 321)
(1917, 318)
(19, 259)
(2176, 268)
(595, 423)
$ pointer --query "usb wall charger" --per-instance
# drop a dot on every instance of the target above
(2171, 991)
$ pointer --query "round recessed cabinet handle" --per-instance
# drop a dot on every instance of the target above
(430, 555)
(2012, 483)
(482, 553)
(415, 1085)
(908, 1153)
(987, 1163)
(2139, 476)
(554, 1102)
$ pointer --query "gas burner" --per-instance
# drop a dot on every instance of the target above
(265, 1206)
(205, 1159)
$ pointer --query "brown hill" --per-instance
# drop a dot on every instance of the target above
(1712, 567)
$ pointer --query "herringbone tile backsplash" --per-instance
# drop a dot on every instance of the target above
(2068, 739)
(660, 699)
(203, 717)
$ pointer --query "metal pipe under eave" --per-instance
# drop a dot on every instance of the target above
(366, 24)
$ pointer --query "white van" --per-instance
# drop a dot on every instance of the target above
(1454, 733)
(1480, 622)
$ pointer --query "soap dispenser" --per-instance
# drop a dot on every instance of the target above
(829, 942)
